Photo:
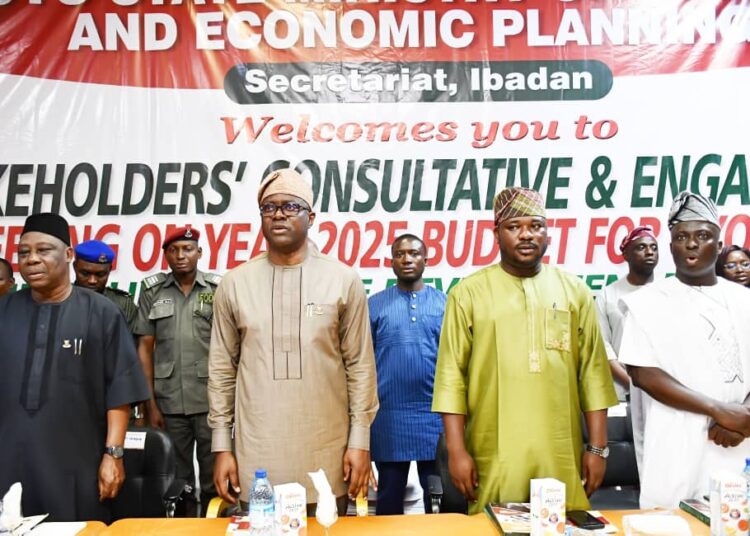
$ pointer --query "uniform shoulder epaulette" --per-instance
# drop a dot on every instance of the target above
(154, 280)
(120, 292)
(214, 279)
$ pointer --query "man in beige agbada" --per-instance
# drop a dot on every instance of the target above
(291, 363)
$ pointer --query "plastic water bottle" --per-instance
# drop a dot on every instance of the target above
(261, 505)
(746, 474)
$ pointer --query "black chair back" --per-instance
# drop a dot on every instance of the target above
(621, 487)
(149, 473)
(452, 501)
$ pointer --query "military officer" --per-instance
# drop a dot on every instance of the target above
(175, 312)
(92, 266)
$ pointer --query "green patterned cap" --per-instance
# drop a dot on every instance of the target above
(518, 202)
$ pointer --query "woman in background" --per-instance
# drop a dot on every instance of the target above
(734, 264)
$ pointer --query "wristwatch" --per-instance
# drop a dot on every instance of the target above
(116, 451)
(599, 451)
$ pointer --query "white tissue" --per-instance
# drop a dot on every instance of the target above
(11, 516)
(326, 512)
(655, 525)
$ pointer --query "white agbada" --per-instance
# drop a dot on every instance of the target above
(699, 336)
(612, 323)
(612, 319)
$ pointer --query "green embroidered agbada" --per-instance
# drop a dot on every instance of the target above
(521, 358)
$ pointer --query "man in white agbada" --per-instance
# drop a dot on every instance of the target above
(687, 346)
(641, 251)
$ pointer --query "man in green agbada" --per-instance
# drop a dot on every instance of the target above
(520, 358)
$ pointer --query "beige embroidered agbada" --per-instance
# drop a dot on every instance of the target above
(291, 365)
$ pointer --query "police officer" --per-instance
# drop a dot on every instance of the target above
(92, 266)
(175, 312)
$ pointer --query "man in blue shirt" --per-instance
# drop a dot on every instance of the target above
(405, 321)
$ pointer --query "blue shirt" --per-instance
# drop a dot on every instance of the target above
(405, 333)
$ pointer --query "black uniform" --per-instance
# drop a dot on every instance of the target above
(62, 367)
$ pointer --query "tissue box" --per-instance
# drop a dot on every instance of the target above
(729, 508)
(547, 507)
(290, 507)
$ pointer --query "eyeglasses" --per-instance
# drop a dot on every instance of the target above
(287, 209)
(733, 265)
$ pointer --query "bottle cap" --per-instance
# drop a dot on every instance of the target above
(260, 473)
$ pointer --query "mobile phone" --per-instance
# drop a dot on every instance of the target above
(584, 520)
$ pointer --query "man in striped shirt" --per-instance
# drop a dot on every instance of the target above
(405, 321)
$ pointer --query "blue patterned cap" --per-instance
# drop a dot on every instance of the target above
(95, 251)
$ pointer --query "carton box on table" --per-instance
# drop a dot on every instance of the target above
(547, 507)
(290, 506)
(729, 508)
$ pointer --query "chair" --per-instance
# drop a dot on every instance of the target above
(444, 497)
(621, 487)
(150, 488)
(218, 507)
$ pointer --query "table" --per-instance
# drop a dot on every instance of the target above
(93, 528)
(434, 525)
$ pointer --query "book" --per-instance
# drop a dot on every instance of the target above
(510, 518)
(514, 519)
(697, 508)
